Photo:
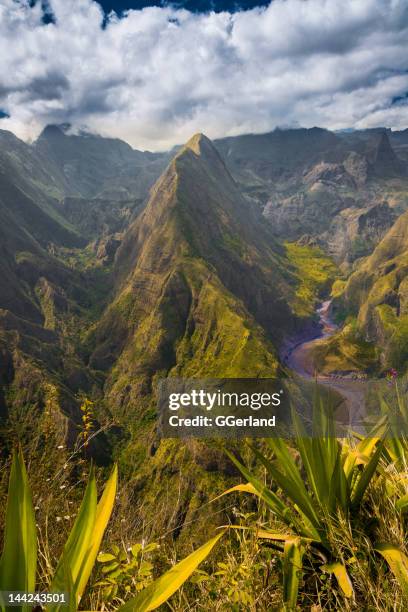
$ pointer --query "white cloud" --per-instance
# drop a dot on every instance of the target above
(155, 76)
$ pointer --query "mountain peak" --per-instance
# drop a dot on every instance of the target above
(200, 153)
(199, 143)
(54, 130)
(386, 164)
(384, 151)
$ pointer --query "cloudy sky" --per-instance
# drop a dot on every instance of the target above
(154, 75)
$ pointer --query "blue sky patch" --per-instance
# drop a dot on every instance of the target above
(195, 6)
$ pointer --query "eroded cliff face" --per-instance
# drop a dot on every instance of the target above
(355, 232)
(337, 192)
(377, 293)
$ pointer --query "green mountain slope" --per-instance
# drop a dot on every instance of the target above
(88, 165)
(199, 286)
(21, 169)
(202, 287)
(41, 297)
(28, 225)
(377, 292)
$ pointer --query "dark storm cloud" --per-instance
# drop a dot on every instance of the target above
(48, 87)
(51, 86)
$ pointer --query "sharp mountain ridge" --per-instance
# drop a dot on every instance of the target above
(201, 286)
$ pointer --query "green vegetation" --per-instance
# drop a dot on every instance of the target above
(376, 294)
(315, 272)
(125, 569)
(18, 563)
(328, 521)
(320, 504)
(225, 338)
(337, 288)
(345, 351)
(234, 243)
(395, 331)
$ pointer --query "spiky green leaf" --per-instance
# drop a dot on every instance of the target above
(18, 562)
(159, 591)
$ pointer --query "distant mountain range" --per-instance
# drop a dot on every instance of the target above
(344, 189)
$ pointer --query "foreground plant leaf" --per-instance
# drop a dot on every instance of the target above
(161, 589)
(279, 507)
(402, 503)
(342, 577)
(82, 546)
(18, 562)
(291, 483)
(77, 546)
(397, 562)
(265, 534)
(241, 488)
(292, 571)
(366, 476)
(103, 514)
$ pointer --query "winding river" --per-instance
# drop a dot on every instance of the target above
(299, 354)
(298, 357)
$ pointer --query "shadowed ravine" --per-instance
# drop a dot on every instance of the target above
(298, 357)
